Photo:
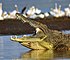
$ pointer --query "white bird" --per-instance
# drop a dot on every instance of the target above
(67, 11)
(41, 16)
(1, 18)
(37, 11)
(46, 14)
(33, 16)
(57, 12)
(12, 14)
(31, 11)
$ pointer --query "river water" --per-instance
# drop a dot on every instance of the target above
(10, 50)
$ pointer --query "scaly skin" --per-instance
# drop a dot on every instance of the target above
(55, 37)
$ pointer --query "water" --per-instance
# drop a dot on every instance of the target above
(10, 50)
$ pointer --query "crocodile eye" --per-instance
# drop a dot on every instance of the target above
(16, 14)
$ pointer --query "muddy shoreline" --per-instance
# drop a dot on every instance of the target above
(14, 26)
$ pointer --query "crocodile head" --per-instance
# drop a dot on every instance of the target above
(20, 17)
(34, 23)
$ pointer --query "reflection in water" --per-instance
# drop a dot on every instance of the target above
(37, 55)
(45, 55)
(62, 54)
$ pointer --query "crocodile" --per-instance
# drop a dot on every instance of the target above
(48, 39)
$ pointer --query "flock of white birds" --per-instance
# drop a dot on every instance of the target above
(34, 12)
